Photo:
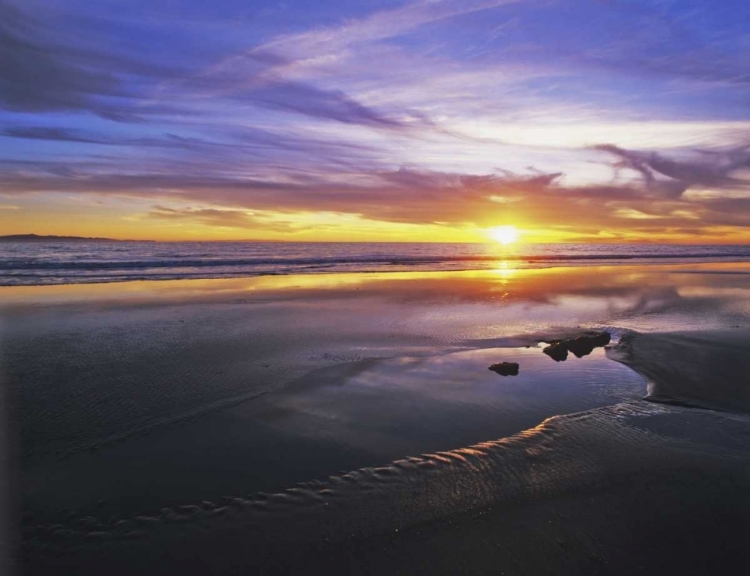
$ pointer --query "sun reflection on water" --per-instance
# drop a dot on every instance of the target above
(505, 269)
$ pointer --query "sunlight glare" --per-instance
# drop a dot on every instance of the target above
(504, 234)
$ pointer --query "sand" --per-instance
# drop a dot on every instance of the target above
(333, 419)
(707, 369)
(150, 416)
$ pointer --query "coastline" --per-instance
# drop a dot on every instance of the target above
(309, 350)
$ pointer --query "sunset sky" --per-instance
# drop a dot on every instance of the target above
(436, 120)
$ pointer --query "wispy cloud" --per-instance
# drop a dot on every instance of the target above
(413, 196)
(713, 168)
(208, 216)
(43, 71)
(466, 113)
(381, 25)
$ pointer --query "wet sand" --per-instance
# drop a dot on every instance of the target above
(333, 419)
(705, 369)
(151, 415)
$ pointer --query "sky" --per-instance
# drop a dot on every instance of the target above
(357, 120)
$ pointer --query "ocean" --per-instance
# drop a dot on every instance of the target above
(42, 263)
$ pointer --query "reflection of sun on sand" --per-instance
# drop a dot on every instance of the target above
(504, 270)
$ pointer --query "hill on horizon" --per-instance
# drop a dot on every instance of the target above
(53, 238)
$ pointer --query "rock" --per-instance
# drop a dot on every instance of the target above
(584, 345)
(505, 368)
(601, 339)
(580, 346)
(557, 351)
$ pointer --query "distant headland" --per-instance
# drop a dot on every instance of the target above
(38, 238)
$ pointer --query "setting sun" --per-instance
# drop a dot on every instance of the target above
(504, 234)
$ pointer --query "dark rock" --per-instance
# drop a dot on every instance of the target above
(505, 368)
(580, 346)
(601, 339)
(584, 345)
(557, 351)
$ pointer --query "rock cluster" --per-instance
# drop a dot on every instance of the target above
(580, 346)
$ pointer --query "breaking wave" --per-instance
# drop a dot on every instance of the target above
(32, 263)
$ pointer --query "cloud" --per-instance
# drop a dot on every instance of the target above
(281, 74)
(51, 133)
(259, 77)
(41, 70)
(42, 73)
(634, 214)
(222, 151)
(33, 76)
(406, 196)
(207, 216)
(692, 47)
(320, 103)
(364, 116)
(670, 177)
(261, 221)
(379, 26)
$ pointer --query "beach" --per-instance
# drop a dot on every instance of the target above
(347, 423)
(416, 287)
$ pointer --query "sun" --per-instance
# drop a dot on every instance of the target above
(504, 234)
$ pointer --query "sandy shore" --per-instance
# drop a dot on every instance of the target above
(151, 416)
(612, 490)
(339, 418)
(708, 369)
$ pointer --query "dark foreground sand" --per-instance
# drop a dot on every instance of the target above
(148, 419)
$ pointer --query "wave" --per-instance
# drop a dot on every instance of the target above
(45, 264)
(208, 263)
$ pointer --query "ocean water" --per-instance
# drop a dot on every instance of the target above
(39, 263)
